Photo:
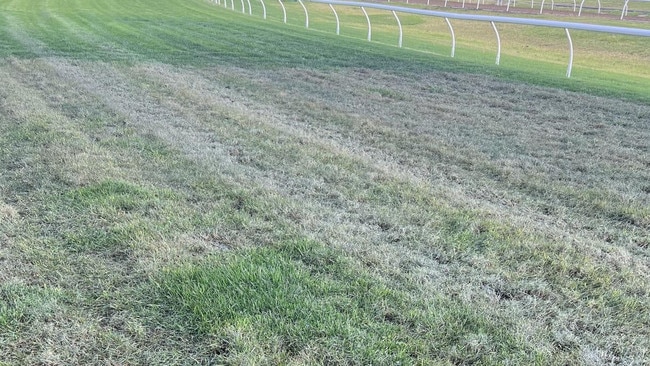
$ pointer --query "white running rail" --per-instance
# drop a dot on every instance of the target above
(493, 19)
(463, 16)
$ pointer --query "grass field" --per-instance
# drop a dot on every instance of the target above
(184, 184)
(619, 62)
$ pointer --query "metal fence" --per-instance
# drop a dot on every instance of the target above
(493, 20)
(576, 6)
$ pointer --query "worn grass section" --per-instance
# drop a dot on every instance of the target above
(175, 193)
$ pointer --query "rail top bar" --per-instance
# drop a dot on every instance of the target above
(498, 19)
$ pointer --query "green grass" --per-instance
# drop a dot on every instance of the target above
(184, 184)
(23, 305)
(302, 300)
(541, 53)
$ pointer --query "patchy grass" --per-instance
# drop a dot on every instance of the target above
(171, 194)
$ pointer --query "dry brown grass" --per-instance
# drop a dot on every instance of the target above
(366, 161)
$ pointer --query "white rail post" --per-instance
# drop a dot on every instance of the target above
(399, 24)
(599, 6)
(453, 38)
(581, 4)
(498, 42)
(243, 8)
(263, 8)
(232, 4)
(284, 12)
(540, 9)
(567, 26)
(306, 13)
(508, 6)
(568, 70)
(368, 20)
(624, 11)
(338, 23)
(250, 7)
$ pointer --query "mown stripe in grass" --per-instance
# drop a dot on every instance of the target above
(433, 229)
(10, 47)
(195, 36)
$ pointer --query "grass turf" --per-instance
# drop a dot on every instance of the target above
(177, 188)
